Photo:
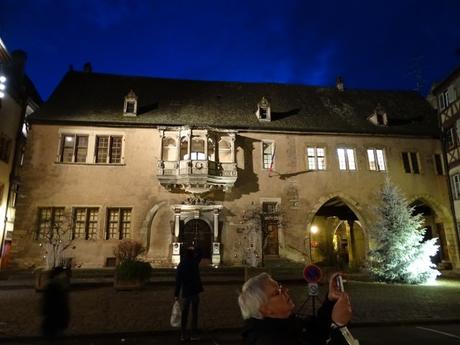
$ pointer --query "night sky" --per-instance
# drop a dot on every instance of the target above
(372, 44)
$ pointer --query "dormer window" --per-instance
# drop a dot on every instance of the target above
(130, 106)
(379, 117)
(263, 110)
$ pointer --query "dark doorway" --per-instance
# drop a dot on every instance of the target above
(197, 232)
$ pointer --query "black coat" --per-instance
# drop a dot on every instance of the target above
(188, 276)
(294, 330)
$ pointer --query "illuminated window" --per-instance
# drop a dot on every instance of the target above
(48, 219)
(108, 149)
(268, 152)
(347, 159)
(118, 223)
(411, 162)
(74, 148)
(85, 223)
(376, 159)
(316, 158)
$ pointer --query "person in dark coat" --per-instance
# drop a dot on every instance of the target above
(188, 282)
(55, 307)
(269, 319)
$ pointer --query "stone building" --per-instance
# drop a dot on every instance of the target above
(446, 99)
(18, 99)
(245, 170)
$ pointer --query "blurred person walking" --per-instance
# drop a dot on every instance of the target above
(188, 284)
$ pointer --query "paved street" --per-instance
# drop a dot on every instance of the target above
(102, 310)
(424, 334)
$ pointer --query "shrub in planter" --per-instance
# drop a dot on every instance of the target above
(130, 273)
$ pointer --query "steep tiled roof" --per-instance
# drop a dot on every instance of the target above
(97, 99)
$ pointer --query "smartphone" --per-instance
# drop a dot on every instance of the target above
(339, 282)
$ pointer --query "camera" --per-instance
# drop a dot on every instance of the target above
(339, 282)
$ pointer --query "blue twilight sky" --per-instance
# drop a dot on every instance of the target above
(384, 44)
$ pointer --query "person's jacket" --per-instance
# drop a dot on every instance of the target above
(188, 276)
(294, 330)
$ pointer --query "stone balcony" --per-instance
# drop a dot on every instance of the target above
(197, 176)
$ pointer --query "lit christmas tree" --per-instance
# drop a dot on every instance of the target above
(399, 254)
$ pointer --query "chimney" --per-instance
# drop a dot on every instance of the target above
(339, 84)
(87, 68)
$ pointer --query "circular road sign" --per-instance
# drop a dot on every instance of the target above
(312, 273)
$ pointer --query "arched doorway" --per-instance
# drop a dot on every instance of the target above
(196, 232)
(336, 236)
(434, 228)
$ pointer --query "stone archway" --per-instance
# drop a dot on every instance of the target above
(341, 239)
(438, 224)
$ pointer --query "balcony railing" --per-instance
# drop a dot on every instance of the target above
(197, 175)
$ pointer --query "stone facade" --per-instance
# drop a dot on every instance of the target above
(299, 192)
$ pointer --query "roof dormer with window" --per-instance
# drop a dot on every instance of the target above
(130, 105)
(263, 112)
(379, 116)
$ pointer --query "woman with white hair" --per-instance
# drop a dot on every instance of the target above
(269, 319)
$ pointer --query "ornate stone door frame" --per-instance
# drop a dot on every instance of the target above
(197, 209)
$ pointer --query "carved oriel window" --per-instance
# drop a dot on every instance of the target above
(184, 148)
(198, 148)
(169, 149)
(225, 151)
(211, 149)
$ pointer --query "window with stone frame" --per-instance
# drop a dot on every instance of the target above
(74, 148)
(5, 148)
(376, 159)
(316, 158)
(85, 223)
(456, 186)
(411, 162)
(48, 218)
(268, 154)
(347, 159)
(450, 137)
(108, 149)
(438, 164)
(118, 223)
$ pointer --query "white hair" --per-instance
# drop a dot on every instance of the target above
(253, 296)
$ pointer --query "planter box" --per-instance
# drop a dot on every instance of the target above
(128, 284)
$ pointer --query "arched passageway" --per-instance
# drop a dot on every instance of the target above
(434, 228)
(336, 236)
